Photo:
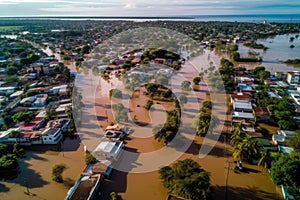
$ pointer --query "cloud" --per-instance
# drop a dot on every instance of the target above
(145, 7)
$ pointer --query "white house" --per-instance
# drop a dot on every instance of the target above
(282, 136)
(52, 136)
(293, 78)
(107, 151)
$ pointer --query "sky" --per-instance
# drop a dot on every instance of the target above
(145, 7)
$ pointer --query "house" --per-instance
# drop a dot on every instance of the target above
(16, 94)
(5, 136)
(85, 188)
(61, 110)
(40, 101)
(108, 151)
(63, 124)
(160, 60)
(293, 78)
(240, 96)
(37, 123)
(242, 106)
(282, 136)
(52, 136)
(6, 91)
(262, 113)
(244, 117)
(244, 80)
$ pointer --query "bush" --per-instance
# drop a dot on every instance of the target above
(148, 104)
(89, 158)
(57, 171)
(116, 93)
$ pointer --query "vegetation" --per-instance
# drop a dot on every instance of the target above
(286, 171)
(182, 99)
(292, 61)
(57, 172)
(9, 156)
(23, 117)
(166, 132)
(89, 158)
(196, 80)
(235, 56)
(120, 112)
(187, 179)
(245, 147)
(186, 85)
(148, 105)
(205, 120)
(116, 93)
(254, 45)
(294, 142)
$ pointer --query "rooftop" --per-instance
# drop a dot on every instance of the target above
(242, 115)
(242, 105)
(86, 187)
(50, 131)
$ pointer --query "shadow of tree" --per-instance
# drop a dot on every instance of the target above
(238, 193)
(3, 188)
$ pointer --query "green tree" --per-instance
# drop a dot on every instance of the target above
(57, 172)
(186, 85)
(166, 132)
(265, 159)
(89, 158)
(116, 93)
(247, 149)
(187, 179)
(8, 162)
(148, 104)
(23, 116)
(182, 99)
(203, 121)
(196, 80)
(286, 171)
(264, 75)
(294, 142)
(11, 70)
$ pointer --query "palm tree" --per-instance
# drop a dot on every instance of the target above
(203, 121)
(247, 149)
(265, 159)
(238, 135)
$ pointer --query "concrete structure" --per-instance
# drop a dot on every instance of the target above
(282, 136)
(293, 78)
(242, 106)
(52, 136)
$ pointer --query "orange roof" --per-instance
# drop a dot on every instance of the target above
(136, 60)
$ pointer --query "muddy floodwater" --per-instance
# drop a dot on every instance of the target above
(36, 171)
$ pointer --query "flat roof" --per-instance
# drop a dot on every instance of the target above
(16, 94)
(243, 115)
(50, 131)
(242, 105)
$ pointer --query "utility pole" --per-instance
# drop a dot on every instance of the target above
(27, 188)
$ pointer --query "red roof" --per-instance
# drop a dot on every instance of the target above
(261, 110)
(136, 60)
(240, 96)
(32, 124)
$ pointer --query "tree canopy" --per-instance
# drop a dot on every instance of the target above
(187, 179)
(286, 171)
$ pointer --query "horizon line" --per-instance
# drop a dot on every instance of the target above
(141, 17)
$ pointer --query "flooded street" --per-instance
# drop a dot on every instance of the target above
(36, 171)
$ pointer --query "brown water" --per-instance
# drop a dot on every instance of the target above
(36, 171)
